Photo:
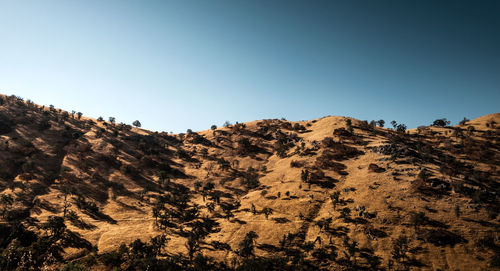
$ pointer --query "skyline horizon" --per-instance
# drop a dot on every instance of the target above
(106, 119)
(178, 65)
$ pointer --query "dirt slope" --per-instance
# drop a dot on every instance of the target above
(437, 186)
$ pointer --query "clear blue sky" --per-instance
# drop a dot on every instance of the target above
(185, 64)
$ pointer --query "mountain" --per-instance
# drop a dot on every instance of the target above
(334, 193)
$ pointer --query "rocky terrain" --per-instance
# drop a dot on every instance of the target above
(334, 193)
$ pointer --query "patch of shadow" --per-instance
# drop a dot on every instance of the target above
(268, 248)
(482, 223)
(73, 239)
(357, 220)
(375, 233)
(216, 245)
(241, 222)
(44, 204)
(235, 190)
(129, 207)
(436, 224)
(281, 220)
(429, 209)
(100, 216)
(338, 231)
(441, 237)
(79, 223)
(415, 262)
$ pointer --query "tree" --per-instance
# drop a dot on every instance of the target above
(351, 249)
(400, 249)
(458, 133)
(228, 208)
(213, 127)
(136, 123)
(348, 122)
(372, 125)
(112, 120)
(417, 219)
(247, 245)
(381, 123)
(192, 244)
(335, 199)
(345, 212)
(457, 211)
(394, 124)
(55, 225)
(304, 175)
(158, 243)
(79, 114)
(100, 119)
(267, 211)
(197, 185)
(464, 121)
(324, 223)
(441, 122)
(401, 128)
(7, 201)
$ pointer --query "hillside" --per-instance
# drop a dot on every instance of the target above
(334, 193)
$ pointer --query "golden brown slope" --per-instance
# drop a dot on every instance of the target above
(438, 188)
